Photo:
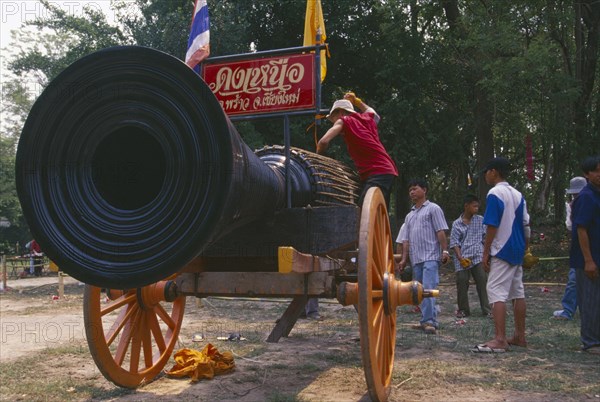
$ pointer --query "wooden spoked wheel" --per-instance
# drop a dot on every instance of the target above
(377, 322)
(131, 334)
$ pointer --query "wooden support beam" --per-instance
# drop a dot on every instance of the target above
(256, 284)
(61, 285)
(291, 260)
(287, 321)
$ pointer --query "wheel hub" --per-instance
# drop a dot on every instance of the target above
(395, 293)
(150, 296)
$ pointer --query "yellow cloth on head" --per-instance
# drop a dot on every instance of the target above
(201, 364)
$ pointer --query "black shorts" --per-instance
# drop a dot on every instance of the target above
(383, 181)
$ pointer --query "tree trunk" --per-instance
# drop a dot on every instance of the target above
(544, 187)
(484, 137)
(481, 104)
(587, 24)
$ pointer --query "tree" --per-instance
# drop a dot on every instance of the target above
(72, 37)
(587, 37)
(456, 81)
(15, 109)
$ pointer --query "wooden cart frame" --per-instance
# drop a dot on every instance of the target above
(108, 235)
(136, 345)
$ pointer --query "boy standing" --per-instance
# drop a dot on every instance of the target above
(466, 239)
(507, 237)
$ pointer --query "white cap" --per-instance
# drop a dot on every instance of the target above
(342, 104)
(576, 185)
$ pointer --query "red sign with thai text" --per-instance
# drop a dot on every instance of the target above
(266, 85)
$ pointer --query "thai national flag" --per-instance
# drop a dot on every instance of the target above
(199, 42)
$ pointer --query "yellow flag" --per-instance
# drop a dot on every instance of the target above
(313, 23)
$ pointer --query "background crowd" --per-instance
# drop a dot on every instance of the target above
(492, 250)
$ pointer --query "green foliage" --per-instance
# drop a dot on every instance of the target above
(12, 229)
(15, 109)
(74, 37)
(454, 81)
(162, 25)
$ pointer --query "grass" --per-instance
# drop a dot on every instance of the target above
(342, 358)
(278, 396)
(28, 378)
(425, 365)
(553, 362)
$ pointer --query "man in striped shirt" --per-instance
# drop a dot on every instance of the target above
(424, 242)
(466, 239)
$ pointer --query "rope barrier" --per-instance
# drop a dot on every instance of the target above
(524, 284)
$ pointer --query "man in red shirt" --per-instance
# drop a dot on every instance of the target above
(35, 254)
(359, 131)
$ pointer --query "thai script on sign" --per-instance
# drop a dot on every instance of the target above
(264, 85)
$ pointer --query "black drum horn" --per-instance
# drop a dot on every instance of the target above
(127, 168)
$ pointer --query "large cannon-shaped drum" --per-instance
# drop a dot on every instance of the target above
(134, 181)
(128, 168)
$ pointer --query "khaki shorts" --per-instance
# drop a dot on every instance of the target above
(505, 281)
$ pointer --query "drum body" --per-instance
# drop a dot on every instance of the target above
(324, 216)
(315, 180)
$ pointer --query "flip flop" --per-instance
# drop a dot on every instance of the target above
(594, 350)
(483, 348)
(231, 337)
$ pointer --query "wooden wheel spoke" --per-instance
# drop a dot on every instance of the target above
(381, 351)
(378, 329)
(378, 247)
(156, 332)
(385, 335)
(125, 340)
(136, 344)
(385, 347)
(384, 249)
(160, 311)
(384, 361)
(146, 339)
(376, 277)
(377, 295)
(122, 319)
(121, 301)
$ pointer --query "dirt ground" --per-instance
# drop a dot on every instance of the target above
(319, 361)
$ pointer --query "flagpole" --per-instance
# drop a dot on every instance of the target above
(318, 71)
(287, 144)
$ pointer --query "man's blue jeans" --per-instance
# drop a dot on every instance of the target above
(428, 274)
(569, 301)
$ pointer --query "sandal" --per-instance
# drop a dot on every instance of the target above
(483, 348)
(594, 350)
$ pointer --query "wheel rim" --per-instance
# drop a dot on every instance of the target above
(377, 328)
(131, 337)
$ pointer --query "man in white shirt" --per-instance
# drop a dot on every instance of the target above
(507, 238)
